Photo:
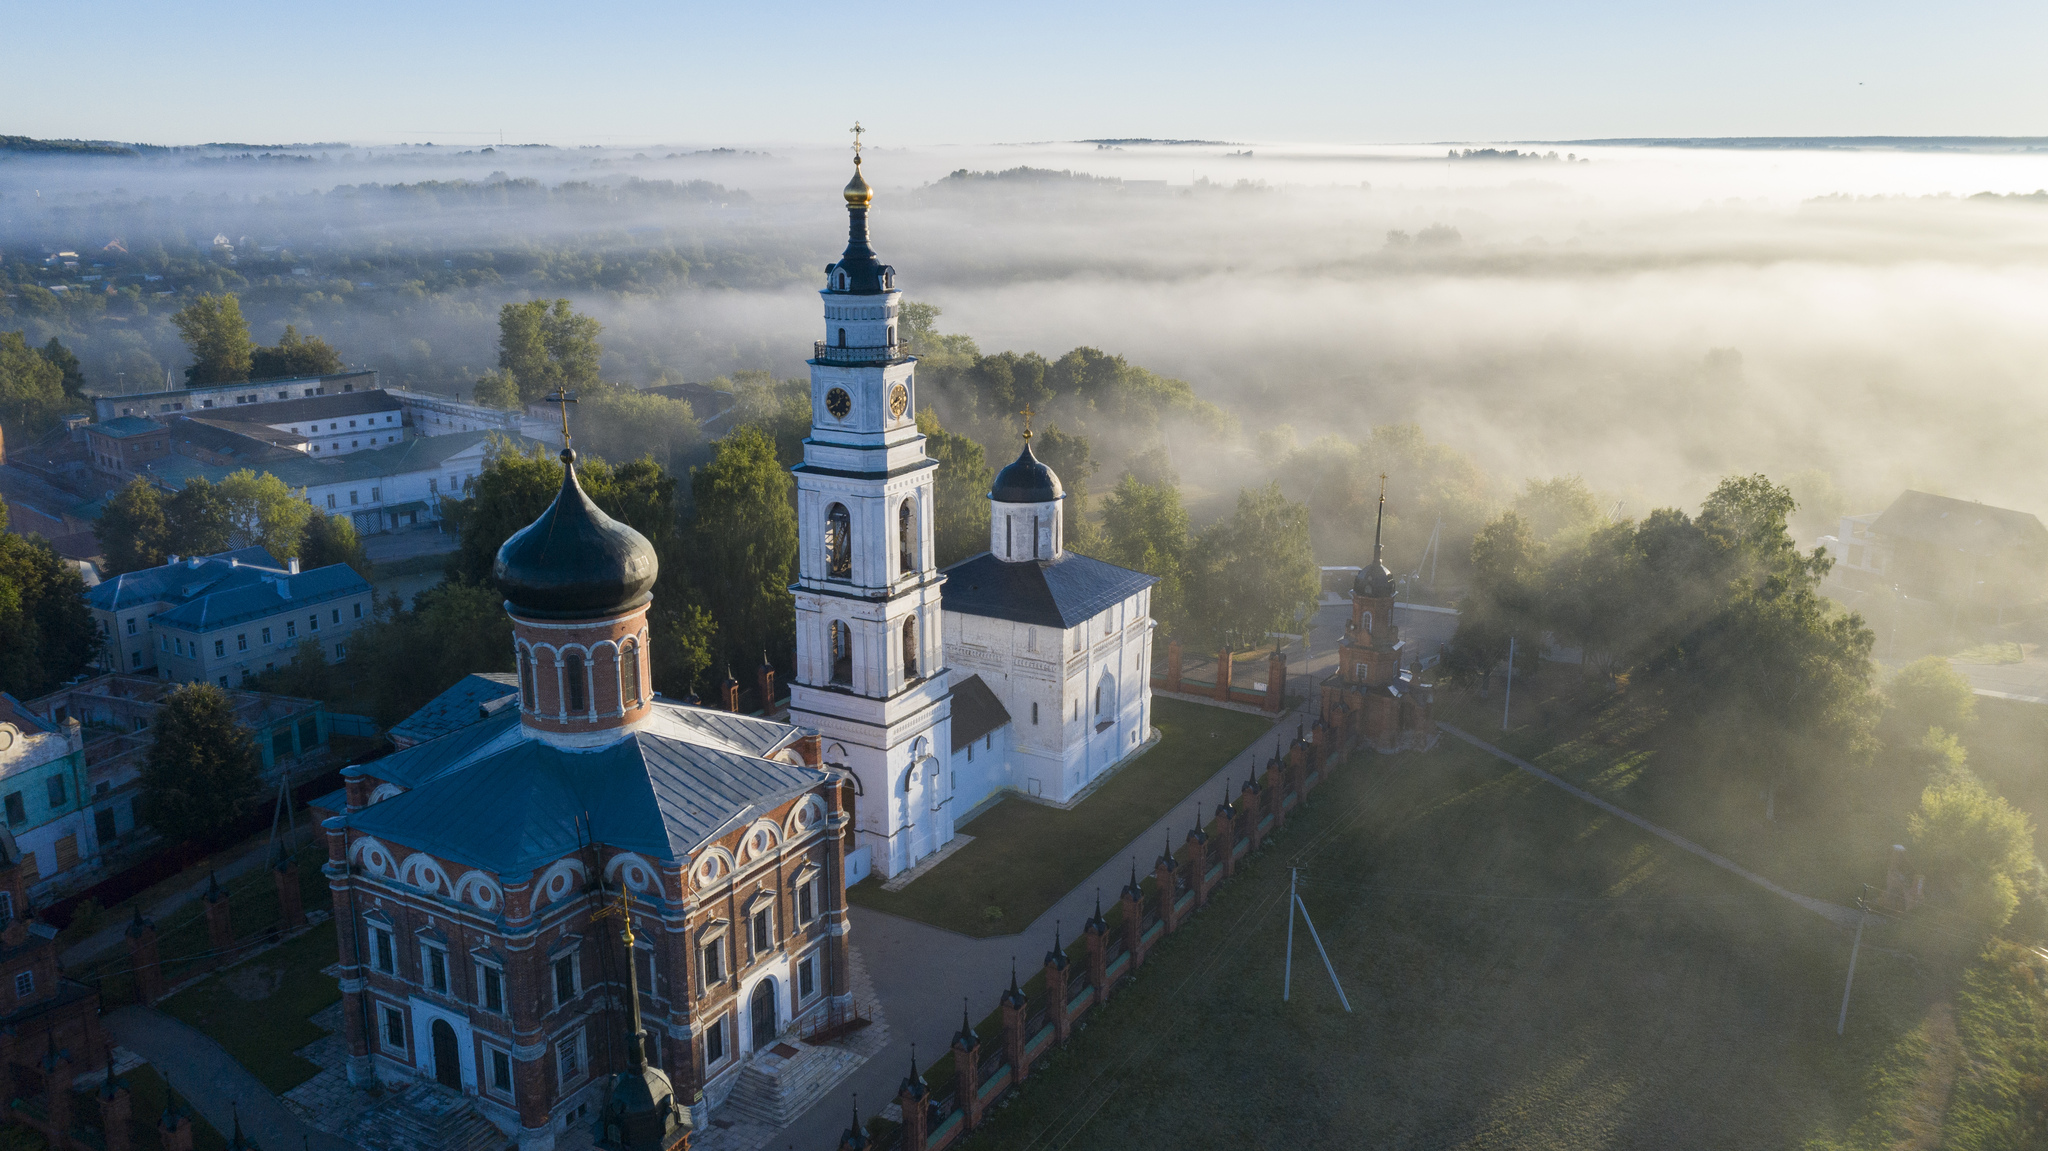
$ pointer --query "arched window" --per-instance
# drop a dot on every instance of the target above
(572, 670)
(526, 681)
(1105, 694)
(909, 649)
(838, 543)
(842, 331)
(1009, 537)
(629, 674)
(842, 654)
(906, 537)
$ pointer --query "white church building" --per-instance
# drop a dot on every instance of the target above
(1025, 668)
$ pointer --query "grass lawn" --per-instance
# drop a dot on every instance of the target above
(260, 1009)
(1525, 972)
(1025, 855)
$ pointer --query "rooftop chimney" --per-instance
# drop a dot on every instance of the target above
(292, 565)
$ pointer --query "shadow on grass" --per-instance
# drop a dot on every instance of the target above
(261, 1010)
(1025, 855)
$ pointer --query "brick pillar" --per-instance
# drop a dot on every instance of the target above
(1251, 803)
(1276, 792)
(347, 938)
(1226, 830)
(838, 980)
(764, 682)
(729, 693)
(1198, 863)
(285, 872)
(220, 934)
(56, 1069)
(1173, 659)
(174, 1129)
(115, 1109)
(1056, 987)
(1163, 875)
(1223, 675)
(1014, 1002)
(1134, 918)
(1098, 962)
(1276, 681)
(967, 1071)
(142, 959)
(357, 785)
(913, 1097)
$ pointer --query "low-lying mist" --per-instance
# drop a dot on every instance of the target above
(1651, 318)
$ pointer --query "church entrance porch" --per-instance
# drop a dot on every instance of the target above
(447, 1056)
(761, 1010)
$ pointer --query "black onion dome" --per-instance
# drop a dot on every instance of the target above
(575, 562)
(1373, 582)
(1026, 481)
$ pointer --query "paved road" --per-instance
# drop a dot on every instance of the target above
(922, 972)
(204, 1073)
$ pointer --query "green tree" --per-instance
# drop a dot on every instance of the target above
(960, 496)
(408, 656)
(201, 772)
(1976, 849)
(31, 387)
(744, 557)
(547, 347)
(307, 674)
(780, 408)
(333, 540)
(46, 632)
(497, 389)
(201, 520)
(1253, 573)
(1562, 505)
(1503, 609)
(1144, 528)
(132, 530)
(294, 355)
(218, 337)
(265, 513)
(1928, 693)
(621, 424)
(66, 361)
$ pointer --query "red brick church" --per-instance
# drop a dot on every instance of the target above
(1377, 698)
(468, 872)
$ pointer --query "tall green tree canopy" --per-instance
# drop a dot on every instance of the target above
(133, 531)
(31, 387)
(65, 361)
(201, 520)
(333, 540)
(46, 632)
(547, 347)
(218, 337)
(1253, 573)
(744, 555)
(264, 512)
(960, 512)
(202, 768)
(1144, 528)
(294, 355)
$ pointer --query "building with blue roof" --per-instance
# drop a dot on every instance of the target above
(468, 866)
(225, 619)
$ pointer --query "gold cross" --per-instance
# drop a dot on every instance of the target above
(623, 909)
(1383, 487)
(857, 130)
(562, 397)
(1026, 413)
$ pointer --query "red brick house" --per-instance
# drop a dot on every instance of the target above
(466, 869)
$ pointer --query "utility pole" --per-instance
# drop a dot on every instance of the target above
(1287, 979)
(1842, 1020)
(1509, 701)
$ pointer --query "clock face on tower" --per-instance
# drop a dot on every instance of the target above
(838, 403)
(899, 399)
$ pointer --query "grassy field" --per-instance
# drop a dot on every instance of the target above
(260, 1010)
(1025, 855)
(1526, 972)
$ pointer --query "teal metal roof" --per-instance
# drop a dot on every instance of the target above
(259, 596)
(121, 427)
(180, 582)
(518, 807)
(456, 708)
(423, 454)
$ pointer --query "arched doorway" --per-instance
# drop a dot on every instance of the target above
(447, 1059)
(762, 1011)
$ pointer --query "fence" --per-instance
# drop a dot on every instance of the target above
(997, 1056)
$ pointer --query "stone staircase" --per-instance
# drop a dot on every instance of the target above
(424, 1117)
(782, 1082)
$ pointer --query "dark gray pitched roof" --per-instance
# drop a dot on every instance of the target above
(456, 708)
(1960, 525)
(176, 583)
(517, 808)
(1048, 593)
(245, 596)
(338, 404)
(976, 711)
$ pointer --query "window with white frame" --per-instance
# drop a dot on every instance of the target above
(24, 984)
(490, 987)
(806, 978)
(807, 893)
(714, 1041)
(569, 1060)
(714, 962)
(382, 953)
(762, 927)
(500, 1063)
(643, 968)
(394, 1029)
(434, 967)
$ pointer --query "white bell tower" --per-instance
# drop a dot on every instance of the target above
(868, 649)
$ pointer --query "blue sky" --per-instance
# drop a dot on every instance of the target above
(679, 73)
